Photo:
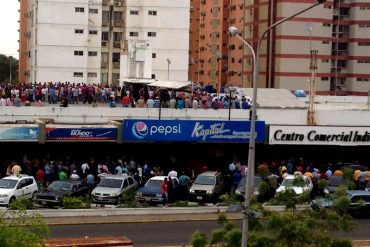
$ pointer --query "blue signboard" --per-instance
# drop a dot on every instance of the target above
(190, 130)
(19, 134)
(83, 134)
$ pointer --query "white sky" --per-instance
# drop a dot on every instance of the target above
(9, 26)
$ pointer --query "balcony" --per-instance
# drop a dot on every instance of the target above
(118, 23)
(105, 2)
(104, 43)
(104, 65)
(105, 23)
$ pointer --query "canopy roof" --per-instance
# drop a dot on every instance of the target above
(138, 80)
(170, 84)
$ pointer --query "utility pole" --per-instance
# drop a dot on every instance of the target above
(10, 68)
(313, 69)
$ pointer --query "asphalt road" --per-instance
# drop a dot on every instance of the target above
(167, 233)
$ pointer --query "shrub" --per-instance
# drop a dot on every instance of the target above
(73, 202)
(198, 239)
(341, 243)
(21, 204)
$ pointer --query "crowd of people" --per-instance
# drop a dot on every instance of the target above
(132, 95)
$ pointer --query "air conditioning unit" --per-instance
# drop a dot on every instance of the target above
(118, 4)
(117, 44)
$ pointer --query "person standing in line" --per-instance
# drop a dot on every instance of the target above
(164, 191)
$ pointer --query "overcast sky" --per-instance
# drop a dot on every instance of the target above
(9, 26)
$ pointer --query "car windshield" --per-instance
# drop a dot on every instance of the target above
(153, 183)
(59, 185)
(7, 183)
(256, 183)
(289, 182)
(205, 180)
(110, 183)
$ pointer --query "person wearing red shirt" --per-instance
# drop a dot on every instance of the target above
(40, 177)
(164, 190)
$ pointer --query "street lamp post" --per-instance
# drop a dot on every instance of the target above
(168, 68)
(10, 68)
(251, 152)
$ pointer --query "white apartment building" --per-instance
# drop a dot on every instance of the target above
(94, 41)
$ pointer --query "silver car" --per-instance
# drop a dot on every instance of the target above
(110, 188)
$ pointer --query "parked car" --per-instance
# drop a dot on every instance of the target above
(207, 187)
(52, 196)
(151, 192)
(17, 187)
(288, 182)
(111, 188)
(270, 192)
(360, 202)
(240, 191)
(335, 181)
(367, 188)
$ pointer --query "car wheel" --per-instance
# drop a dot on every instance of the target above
(12, 199)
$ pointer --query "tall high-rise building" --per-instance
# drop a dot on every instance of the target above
(339, 30)
(23, 38)
(214, 57)
(94, 41)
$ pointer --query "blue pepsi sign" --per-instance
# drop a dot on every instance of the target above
(83, 134)
(190, 130)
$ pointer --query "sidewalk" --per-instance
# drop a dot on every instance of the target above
(131, 215)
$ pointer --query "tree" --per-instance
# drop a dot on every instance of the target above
(17, 229)
(5, 63)
(307, 228)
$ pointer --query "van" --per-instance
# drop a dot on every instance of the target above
(207, 187)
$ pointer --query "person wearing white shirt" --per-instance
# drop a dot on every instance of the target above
(172, 173)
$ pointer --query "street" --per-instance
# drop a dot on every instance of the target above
(167, 233)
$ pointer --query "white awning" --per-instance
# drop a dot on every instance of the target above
(137, 80)
(170, 84)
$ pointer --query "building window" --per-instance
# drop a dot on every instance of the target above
(104, 36)
(117, 15)
(94, 32)
(325, 61)
(78, 74)
(93, 11)
(363, 79)
(153, 76)
(117, 36)
(363, 43)
(79, 9)
(104, 77)
(93, 53)
(134, 34)
(92, 74)
(326, 24)
(154, 55)
(363, 61)
(152, 34)
(79, 31)
(152, 12)
(78, 53)
(325, 42)
(116, 57)
(134, 12)
(324, 78)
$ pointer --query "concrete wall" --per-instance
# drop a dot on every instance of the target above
(89, 115)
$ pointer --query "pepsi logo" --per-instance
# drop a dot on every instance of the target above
(140, 130)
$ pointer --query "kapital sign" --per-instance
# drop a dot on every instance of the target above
(189, 130)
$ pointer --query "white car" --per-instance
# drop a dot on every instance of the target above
(17, 187)
(298, 188)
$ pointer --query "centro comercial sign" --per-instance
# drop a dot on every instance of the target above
(319, 135)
